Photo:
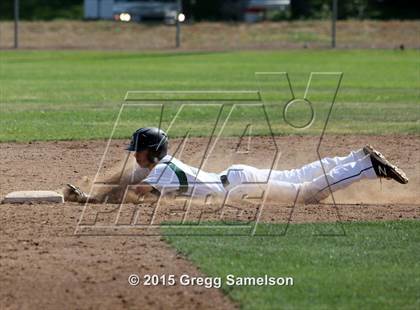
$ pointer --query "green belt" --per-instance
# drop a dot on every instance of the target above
(182, 177)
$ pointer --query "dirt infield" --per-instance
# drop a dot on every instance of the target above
(44, 265)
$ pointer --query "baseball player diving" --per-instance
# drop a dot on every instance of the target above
(158, 173)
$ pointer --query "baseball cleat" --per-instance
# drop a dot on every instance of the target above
(383, 168)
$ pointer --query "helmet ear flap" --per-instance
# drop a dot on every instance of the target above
(151, 156)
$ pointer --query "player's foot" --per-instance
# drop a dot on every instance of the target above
(383, 168)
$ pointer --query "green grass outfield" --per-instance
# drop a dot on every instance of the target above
(48, 95)
(71, 95)
(373, 266)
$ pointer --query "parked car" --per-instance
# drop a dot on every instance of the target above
(253, 10)
(257, 10)
(146, 10)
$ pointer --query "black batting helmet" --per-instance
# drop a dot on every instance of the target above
(150, 138)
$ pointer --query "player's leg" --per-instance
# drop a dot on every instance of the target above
(274, 190)
(372, 166)
(251, 182)
(315, 169)
(243, 174)
(239, 174)
(337, 178)
(343, 171)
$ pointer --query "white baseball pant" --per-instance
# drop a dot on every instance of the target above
(306, 184)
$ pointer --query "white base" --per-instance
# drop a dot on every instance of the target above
(33, 196)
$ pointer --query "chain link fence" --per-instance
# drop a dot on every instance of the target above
(69, 31)
(210, 35)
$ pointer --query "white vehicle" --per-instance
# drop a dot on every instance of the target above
(146, 10)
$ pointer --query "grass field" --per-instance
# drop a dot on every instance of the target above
(75, 95)
(48, 95)
(374, 266)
